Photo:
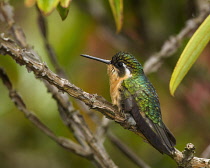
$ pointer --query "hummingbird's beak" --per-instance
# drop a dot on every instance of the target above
(97, 59)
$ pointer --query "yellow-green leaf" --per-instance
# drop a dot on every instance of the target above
(47, 6)
(117, 10)
(65, 3)
(190, 54)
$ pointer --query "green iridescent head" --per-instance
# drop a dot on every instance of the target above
(126, 60)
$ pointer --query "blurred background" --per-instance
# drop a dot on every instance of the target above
(90, 29)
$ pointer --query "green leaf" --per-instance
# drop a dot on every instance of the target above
(190, 54)
(117, 10)
(47, 6)
(65, 3)
(62, 11)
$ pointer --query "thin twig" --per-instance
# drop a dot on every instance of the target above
(76, 122)
(127, 151)
(174, 42)
(51, 53)
(18, 101)
(102, 129)
(66, 111)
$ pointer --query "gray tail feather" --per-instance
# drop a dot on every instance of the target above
(166, 137)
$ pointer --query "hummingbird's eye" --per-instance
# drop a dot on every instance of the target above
(120, 64)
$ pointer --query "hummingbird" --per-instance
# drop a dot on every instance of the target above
(133, 93)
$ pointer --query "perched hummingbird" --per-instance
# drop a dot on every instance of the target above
(133, 93)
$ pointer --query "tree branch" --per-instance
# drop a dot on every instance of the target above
(174, 42)
(18, 101)
(186, 158)
(29, 58)
(25, 57)
(70, 116)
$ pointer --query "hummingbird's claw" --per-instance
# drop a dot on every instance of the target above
(130, 119)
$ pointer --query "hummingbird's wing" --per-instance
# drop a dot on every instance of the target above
(144, 107)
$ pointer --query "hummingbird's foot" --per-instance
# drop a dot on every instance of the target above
(130, 119)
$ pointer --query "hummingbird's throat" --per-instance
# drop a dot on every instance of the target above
(115, 83)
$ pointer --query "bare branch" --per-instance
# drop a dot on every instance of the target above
(18, 101)
(77, 124)
(102, 129)
(186, 158)
(70, 116)
(24, 57)
(28, 57)
(65, 107)
(174, 42)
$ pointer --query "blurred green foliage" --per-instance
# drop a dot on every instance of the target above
(90, 29)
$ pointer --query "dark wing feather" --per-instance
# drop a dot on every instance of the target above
(158, 136)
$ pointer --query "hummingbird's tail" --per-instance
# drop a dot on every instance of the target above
(166, 137)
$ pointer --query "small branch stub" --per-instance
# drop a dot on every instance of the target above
(188, 153)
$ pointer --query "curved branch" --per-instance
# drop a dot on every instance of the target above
(89, 147)
(27, 58)
(18, 101)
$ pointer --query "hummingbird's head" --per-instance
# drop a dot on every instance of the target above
(126, 64)
(122, 64)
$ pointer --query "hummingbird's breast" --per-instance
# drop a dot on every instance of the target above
(115, 84)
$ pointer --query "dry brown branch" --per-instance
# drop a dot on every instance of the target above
(41, 70)
(186, 158)
(18, 101)
(25, 57)
(77, 124)
(65, 107)
(95, 152)
(42, 22)
(70, 116)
